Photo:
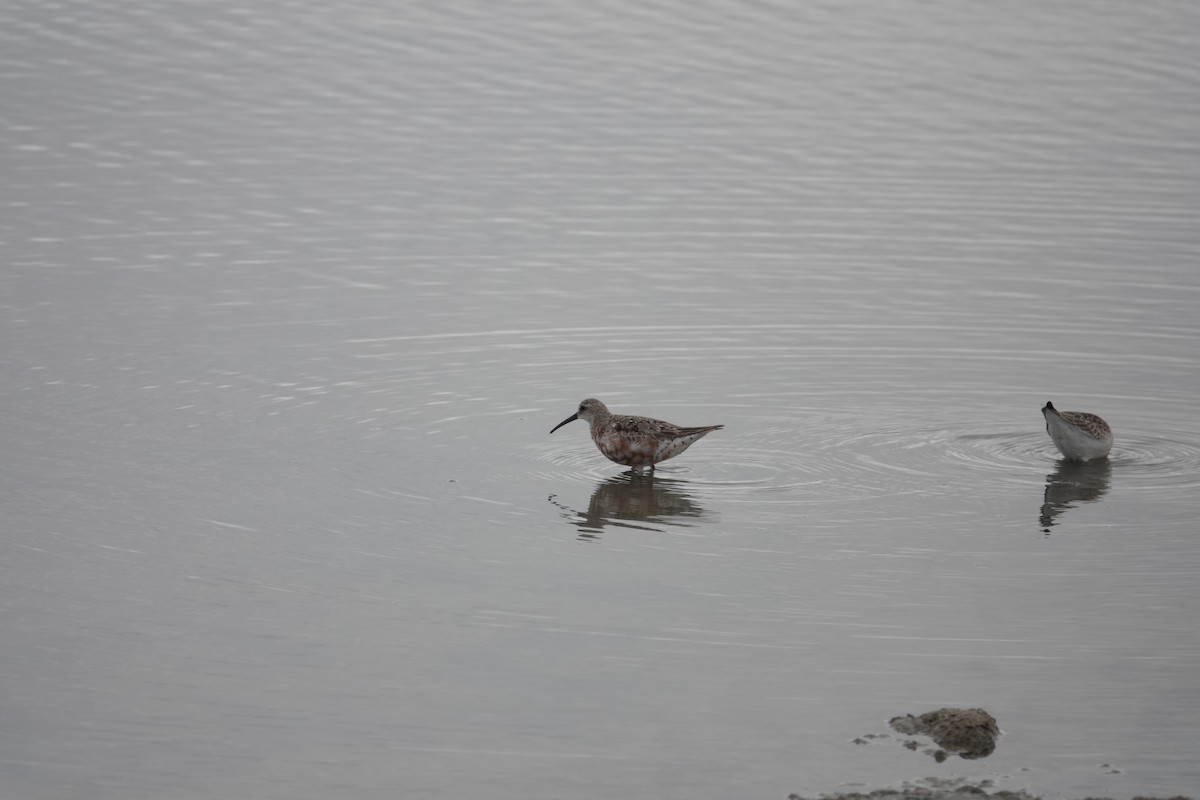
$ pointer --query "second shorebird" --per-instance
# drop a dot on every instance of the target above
(1078, 435)
(635, 441)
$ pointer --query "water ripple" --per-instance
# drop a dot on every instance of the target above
(847, 461)
(1137, 459)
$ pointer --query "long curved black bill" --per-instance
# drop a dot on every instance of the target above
(571, 418)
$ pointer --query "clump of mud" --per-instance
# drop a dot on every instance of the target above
(967, 732)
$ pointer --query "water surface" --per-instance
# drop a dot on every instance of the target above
(291, 295)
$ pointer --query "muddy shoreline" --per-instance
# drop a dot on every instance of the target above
(952, 789)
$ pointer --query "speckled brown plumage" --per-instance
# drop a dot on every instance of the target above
(1078, 434)
(635, 441)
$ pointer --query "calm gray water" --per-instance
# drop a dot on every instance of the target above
(292, 292)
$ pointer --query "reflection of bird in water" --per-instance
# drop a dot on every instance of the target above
(635, 441)
(968, 732)
(1073, 482)
(625, 500)
(1078, 435)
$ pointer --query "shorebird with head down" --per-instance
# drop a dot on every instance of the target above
(1078, 435)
